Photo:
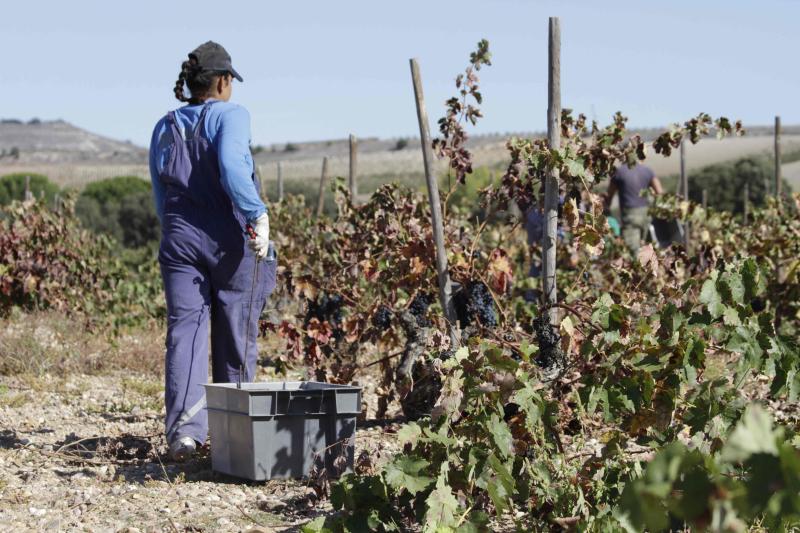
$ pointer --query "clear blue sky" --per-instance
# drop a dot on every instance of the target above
(323, 69)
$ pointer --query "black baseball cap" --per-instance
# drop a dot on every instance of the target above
(212, 56)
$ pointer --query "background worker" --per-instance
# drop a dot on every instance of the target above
(534, 227)
(630, 182)
(205, 197)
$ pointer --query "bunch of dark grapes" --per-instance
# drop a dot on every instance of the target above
(550, 356)
(382, 319)
(419, 308)
(474, 305)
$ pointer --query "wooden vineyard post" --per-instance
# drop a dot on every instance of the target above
(684, 187)
(280, 183)
(549, 238)
(28, 194)
(351, 182)
(778, 157)
(705, 218)
(746, 203)
(445, 285)
(685, 193)
(778, 269)
(322, 179)
(262, 185)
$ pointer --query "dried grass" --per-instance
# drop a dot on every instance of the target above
(50, 343)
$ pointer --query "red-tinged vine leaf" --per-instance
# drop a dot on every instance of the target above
(459, 111)
(414, 228)
(648, 259)
(313, 355)
(353, 326)
(294, 340)
(416, 267)
(439, 341)
(319, 331)
(265, 326)
(501, 274)
(415, 248)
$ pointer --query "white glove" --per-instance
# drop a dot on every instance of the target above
(260, 243)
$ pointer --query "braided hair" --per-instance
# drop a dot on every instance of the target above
(198, 80)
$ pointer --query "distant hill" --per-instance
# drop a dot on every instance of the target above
(71, 156)
(59, 142)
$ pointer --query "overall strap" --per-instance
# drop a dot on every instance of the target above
(177, 132)
(199, 128)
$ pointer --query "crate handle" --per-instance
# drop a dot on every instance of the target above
(307, 395)
(304, 396)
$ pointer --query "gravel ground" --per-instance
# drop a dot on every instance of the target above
(86, 453)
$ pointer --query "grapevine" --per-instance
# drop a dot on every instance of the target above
(571, 426)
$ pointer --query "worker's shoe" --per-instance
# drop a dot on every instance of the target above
(182, 448)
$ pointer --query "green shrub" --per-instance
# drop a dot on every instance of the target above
(12, 187)
(99, 218)
(115, 189)
(140, 223)
(725, 182)
(466, 198)
(121, 208)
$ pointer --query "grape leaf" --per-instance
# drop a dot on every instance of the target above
(711, 297)
(404, 473)
(409, 434)
(648, 259)
(442, 508)
(752, 435)
(501, 435)
(318, 525)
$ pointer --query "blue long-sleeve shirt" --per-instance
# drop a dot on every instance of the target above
(227, 127)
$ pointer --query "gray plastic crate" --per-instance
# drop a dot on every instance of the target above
(281, 429)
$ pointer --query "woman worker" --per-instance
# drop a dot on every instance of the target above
(214, 271)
